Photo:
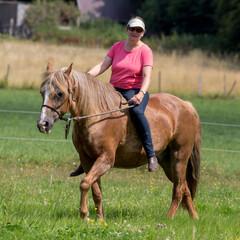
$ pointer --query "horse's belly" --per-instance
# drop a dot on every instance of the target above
(133, 159)
(131, 153)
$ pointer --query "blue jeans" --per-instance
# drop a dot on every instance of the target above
(139, 119)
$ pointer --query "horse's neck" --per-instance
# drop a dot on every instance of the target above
(93, 100)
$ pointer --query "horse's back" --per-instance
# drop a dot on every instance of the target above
(175, 109)
(180, 117)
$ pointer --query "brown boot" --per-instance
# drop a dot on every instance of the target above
(77, 172)
(152, 164)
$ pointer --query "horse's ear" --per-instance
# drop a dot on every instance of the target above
(49, 67)
(69, 70)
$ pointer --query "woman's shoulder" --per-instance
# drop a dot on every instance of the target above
(146, 50)
(119, 44)
(145, 47)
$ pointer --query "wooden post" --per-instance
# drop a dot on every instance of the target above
(224, 85)
(7, 74)
(11, 27)
(159, 81)
(233, 86)
(200, 84)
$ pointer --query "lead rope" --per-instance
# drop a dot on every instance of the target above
(68, 120)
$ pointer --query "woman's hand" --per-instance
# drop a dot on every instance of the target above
(101, 67)
(137, 99)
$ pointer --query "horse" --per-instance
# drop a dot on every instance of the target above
(111, 140)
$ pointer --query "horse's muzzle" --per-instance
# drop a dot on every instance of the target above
(44, 126)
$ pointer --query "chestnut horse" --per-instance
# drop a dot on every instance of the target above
(111, 140)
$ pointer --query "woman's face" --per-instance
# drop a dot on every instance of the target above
(135, 33)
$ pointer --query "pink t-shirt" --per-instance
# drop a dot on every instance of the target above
(127, 66)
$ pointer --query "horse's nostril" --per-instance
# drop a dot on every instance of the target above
(45, 123)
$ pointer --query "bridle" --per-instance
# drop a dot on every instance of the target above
(67, 99)
(56, 108)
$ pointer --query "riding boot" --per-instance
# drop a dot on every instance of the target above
(152, 164)
(77, 172)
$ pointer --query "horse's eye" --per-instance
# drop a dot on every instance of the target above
(59, 94)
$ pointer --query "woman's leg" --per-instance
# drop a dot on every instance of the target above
(142, 125)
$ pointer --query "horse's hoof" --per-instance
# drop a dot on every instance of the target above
(87, 219)
(100, 217)
(195, 217)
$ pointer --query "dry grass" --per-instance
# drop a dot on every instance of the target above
(178, 73)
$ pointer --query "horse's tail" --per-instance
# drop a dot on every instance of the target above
(193, 167)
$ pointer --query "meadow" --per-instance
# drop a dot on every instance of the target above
(38, 200)
(179, 73)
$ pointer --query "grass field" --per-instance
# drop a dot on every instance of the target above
(38, 200)
(179, 73)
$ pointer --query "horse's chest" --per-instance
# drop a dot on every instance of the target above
(88, 140)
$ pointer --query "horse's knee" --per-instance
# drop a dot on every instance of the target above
(84, 185)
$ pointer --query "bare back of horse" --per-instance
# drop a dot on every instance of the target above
(111, 141)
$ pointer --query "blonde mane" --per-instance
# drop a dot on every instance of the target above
(92, 95)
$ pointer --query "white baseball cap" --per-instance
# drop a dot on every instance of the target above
(136, 22)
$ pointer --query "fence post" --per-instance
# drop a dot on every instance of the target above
(233, 86)
(200, 84)
(159, 81)
(224, 84)
(11, 27)
(7, 74)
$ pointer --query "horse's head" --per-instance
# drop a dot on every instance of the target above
(55, 91)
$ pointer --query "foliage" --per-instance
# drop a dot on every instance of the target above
(182, 20)
(220, 18)
(181, 16)
(94, 33)
(156, 16)
(48, 15)
(228, 19)
(184, 43)
(194, 18)
(3, 83)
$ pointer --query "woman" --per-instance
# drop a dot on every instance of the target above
(132, 63)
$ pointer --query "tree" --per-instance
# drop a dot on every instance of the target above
(156, 16)
(228, 19)
(194, 17)
(181, 16)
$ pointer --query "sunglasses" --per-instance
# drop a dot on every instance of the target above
(138, 30)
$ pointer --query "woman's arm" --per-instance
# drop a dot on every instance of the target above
(147, 72)
(101, 67)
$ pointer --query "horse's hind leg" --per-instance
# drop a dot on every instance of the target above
(97, 197)
(188, 202)
(179, 159)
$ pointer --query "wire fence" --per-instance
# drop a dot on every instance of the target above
(69, 141)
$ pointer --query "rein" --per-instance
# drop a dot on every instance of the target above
(68, 120)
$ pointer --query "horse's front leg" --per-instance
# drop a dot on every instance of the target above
(100, 167)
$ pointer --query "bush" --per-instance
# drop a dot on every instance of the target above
(184, 43)
(45, 16)
(100, 33)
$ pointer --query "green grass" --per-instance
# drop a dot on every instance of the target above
(38, 200)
